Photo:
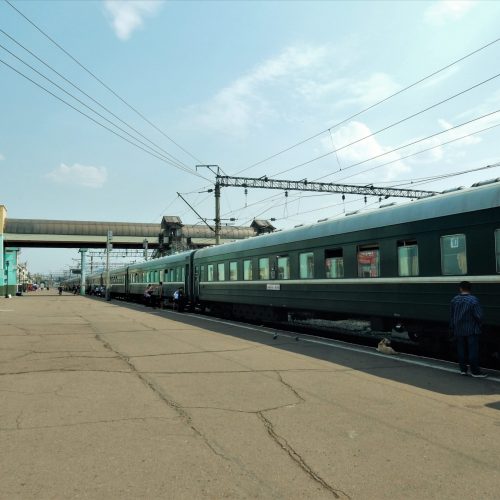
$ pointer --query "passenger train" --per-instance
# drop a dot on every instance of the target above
(396, 266)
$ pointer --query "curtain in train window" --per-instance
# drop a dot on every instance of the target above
(221, 275)
(453, 255)
(247, 270)
(264, 268)
(210, 272)
(284, 268)
(306, 265)
(368, 261)
(334, 263)
(408, 258)
(497, 248)
(233, 271)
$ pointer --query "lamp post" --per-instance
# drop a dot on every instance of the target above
(109, 247)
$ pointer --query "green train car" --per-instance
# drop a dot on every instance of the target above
(398, 266)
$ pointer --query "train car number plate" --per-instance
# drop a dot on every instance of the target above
(273, 286)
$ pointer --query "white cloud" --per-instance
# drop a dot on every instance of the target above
(243, 102)
(128, 15)
(81, 175)
(444, 11)
(367, 92)
(367, 148)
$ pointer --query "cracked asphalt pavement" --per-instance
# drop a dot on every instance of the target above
(103, 400)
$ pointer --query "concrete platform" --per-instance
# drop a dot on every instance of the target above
(103, 400)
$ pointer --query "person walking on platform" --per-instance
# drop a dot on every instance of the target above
(465, 323)
(148, 295)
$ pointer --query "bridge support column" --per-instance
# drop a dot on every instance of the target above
(82, 267)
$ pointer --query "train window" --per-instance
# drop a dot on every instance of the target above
(264, 268)
(334, 263)
(210, 272)
(233, 271)
(497, 248)
(202, 273)
(247, 270)
(220, 272)
(408, 258)
(284, 268)
(368, 261)
(306, 265)
(453, 254)
(183, 274)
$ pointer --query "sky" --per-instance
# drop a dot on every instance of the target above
(237, 84)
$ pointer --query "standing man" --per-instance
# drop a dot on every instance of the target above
(465, 323)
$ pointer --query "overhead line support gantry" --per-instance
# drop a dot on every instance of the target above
(303, 185)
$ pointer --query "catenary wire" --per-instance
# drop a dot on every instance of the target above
(412, 143)
(371, 106)
(93, 119)
(415, 154)
(89, 96)
(383, 164)
(176, 163)
(383, 129)
(135, 110)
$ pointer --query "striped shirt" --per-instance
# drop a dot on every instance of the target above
(465, 315)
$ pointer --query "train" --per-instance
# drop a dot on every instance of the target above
(396, 266)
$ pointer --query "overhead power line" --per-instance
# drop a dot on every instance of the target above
(135, 110)
(412, 143)
(383, 129)
(413, 154)
(168, 159)
(345, 120)
(173, 158)
(94, 120)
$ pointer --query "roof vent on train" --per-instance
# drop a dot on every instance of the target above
(322, 220)
(352, 213)
(484, 183)
(385, 205)
(299, 225)
(451, 190)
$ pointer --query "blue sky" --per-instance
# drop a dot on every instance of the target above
(234, 83)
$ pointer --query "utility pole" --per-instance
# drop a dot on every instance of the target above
(217, 212)
(215, 170)
(109, 246)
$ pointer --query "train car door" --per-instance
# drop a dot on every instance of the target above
(126, 281)
(187, 281)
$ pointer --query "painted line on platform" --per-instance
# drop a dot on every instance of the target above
(341, 345)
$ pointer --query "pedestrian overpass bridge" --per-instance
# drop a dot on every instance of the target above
(77, 234)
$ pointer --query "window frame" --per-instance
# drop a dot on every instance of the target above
(221, 266)
(410, 243)
(336, 259)
(370, 247)
(248, 272)
(233, 267)
(309, 275)
(267, 268)
(286, 275)
(459, 264)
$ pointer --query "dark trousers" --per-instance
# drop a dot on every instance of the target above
(468, 347)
